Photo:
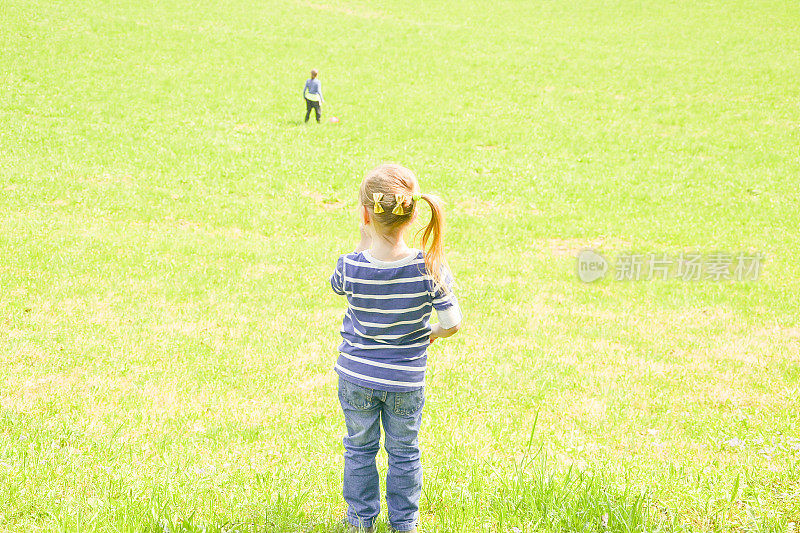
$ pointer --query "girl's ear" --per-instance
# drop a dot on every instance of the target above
(363, 214)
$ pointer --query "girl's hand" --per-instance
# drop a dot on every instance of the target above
(437, 332)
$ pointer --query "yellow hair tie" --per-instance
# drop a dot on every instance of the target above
(416, 197)
(400, 199)
(377, 197)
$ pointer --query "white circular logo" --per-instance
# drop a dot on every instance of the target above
(591, 265)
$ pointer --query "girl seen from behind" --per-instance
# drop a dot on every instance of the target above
(392, 292)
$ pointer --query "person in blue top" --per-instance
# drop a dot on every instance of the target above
(312, 92)
(392, 293)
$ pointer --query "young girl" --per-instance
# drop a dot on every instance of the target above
(391, 292)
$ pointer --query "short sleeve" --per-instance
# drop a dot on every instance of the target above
(337, 279)
(445, 301)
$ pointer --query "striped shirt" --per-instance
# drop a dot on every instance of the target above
(386, 328)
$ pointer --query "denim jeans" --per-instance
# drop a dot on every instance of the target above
(400, 413)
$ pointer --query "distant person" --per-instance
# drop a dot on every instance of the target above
(312, 92)
(392, 290)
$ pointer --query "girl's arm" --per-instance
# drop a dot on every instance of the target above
(447, 309)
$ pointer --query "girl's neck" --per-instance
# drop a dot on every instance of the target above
(389, 248)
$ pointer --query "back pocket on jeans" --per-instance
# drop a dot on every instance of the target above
(409, 403)
(356, 396)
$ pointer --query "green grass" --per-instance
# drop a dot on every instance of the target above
(168, 227)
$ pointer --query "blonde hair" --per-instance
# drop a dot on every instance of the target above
(389, 181)
(314, 73)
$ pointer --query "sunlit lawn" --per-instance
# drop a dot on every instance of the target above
(168, 227)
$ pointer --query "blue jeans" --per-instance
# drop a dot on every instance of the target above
(401, 413)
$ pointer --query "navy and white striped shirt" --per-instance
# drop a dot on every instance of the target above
(386, 329)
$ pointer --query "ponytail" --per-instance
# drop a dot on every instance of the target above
(432, 240)
(390, 192)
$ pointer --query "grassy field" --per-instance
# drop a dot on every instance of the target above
(168, 227)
